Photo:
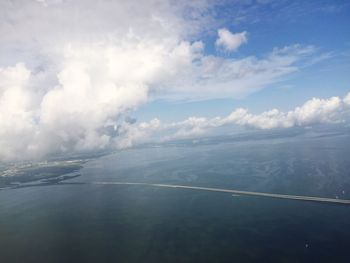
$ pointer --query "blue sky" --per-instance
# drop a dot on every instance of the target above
(85, 75)
(322, 24)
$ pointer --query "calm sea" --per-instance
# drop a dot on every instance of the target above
(76, 221)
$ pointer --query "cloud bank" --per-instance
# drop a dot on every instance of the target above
(313, 112)
(70, 71)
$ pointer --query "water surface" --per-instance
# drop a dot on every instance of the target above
(110, 223)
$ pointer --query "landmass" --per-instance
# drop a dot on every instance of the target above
(46, 172)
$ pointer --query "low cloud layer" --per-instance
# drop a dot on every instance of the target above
(71, 71)
(313, 112)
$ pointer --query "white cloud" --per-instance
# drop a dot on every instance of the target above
(347, 99)
(216, 77)
(136, 134)
(70, 71)
(312, 112)
(73, 69)
(17, 116)
(229, 41)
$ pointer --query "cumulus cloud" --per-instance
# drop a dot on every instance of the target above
(229, 41)
(16, 114)
(347, 99)
(70, 71)
(137, 134)
(312, 112)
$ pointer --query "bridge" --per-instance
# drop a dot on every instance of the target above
(236, 192)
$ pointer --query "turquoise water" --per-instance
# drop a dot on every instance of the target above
(109, 223)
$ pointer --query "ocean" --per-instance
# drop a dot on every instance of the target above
(77, 221)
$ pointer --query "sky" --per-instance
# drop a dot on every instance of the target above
(84, 76)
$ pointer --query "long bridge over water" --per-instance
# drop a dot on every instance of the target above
(236, 192)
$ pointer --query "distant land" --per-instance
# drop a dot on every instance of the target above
(21, 173)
